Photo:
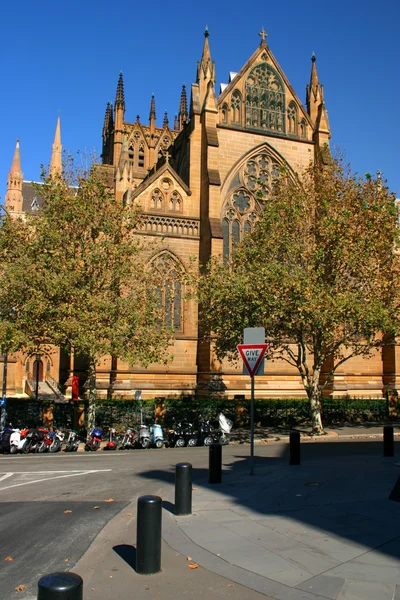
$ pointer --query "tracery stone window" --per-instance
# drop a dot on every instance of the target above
(169, 271)
(157, 199)
(141, 155)
(175, 202)
(250, 189)
(292, 118)
(236, 104)
(265, 99)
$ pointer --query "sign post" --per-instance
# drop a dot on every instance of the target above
(252, 355)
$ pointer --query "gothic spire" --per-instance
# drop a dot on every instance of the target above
(120, 96)
(16, 163)
(13, 199)
(152, 108)
(108, 119)
(166, 122)
(205, 69)
(315, 91)
(183, 109)
(56, 155)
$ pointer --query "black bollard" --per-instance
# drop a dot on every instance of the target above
(294, 448)
(60, 586)
(148, 535)
(215, 464)
(388, 441)
(183, 489)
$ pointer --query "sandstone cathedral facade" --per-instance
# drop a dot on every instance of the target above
(201, 182)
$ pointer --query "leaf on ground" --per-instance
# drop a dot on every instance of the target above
(96, 507)
(230, 584)
(66, 559)
(195, 489)
(127, 514)
(109, 500)
(189, 558)
(66, 512)
(19, 588)
(193, 566)
(9, 558)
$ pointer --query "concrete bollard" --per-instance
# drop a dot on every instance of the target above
(294, 448)
(148, 535)
(215, 464)
(60, 586)
(388, 440)
(183, 489)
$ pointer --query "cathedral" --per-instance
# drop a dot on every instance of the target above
(199, 182)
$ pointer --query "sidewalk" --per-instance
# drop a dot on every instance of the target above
(325, 529)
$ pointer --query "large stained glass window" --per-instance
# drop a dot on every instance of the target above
(265, 99)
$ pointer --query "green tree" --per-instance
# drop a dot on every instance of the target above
(320, 272)
(87, 282)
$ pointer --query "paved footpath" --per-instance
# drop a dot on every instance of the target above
(325, 529)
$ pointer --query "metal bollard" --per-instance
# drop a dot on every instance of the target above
(294, 448)
(215, 464)
(60, 586)
(388, 440)
(183, 489)
(148, 535)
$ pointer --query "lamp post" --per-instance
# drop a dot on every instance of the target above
(4, 393)
(37, 377)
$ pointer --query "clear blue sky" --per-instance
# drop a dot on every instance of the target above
(67, 56)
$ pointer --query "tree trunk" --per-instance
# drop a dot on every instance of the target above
(92, 395)
(314, 395)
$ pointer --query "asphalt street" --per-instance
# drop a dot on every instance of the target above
(54, 506)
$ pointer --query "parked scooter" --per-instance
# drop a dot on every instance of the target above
(156, 435)
(34, 437)
(112, 440)
(72, 442)
(16, 442)
(94, 440)
(144, 439)
(58, 439)
(205, 434)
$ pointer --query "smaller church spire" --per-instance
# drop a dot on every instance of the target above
(120, 96)
(205, 68)
(165, 122)
(314, 91)
(56, 155)
(13, 198)
(152, 108)
(16, 163)
(183, 109)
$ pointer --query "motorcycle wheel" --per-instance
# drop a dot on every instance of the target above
(42, 448)
(13, 449)
(159, 444)
(180, 442)
(25, 448)
(145, 443)
(75, 448)
(208, 440)
(95, 446)
(192, 442)
(55, 446)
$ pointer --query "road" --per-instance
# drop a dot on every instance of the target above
(54, 506)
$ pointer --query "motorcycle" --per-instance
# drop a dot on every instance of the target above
(205, 434)
(57, 441)
(72, 442)
(129, 440)
(45, 441)
(94, 440)
(144, 439)
(33, 439)
(156, 436)
(182, 435)
(112, 440)
(5, 436)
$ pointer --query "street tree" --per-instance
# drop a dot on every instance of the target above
(320, 272)
(87, 276)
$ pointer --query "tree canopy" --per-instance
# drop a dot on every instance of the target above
(320, 272)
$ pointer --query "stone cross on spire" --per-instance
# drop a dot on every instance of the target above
(263, 35)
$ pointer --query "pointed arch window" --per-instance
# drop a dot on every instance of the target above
(169, 272)
(141, 155)
(175, 202)
(238, 217)
(157, 200)
(292, 118)
(303, 129)
(236, 105)
(225, 114)
(265, 99)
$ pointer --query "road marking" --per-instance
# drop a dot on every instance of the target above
(48, 472)
(5, 476)
(8, 487)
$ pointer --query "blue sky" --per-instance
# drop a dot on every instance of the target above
(67, 56)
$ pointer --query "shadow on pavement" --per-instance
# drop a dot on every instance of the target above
(341, 488)
(127, 553)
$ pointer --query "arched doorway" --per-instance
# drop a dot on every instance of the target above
(35, 367)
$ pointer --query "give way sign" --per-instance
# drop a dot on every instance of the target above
(252, 355)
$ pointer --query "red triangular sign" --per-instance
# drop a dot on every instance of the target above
(252, 355)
